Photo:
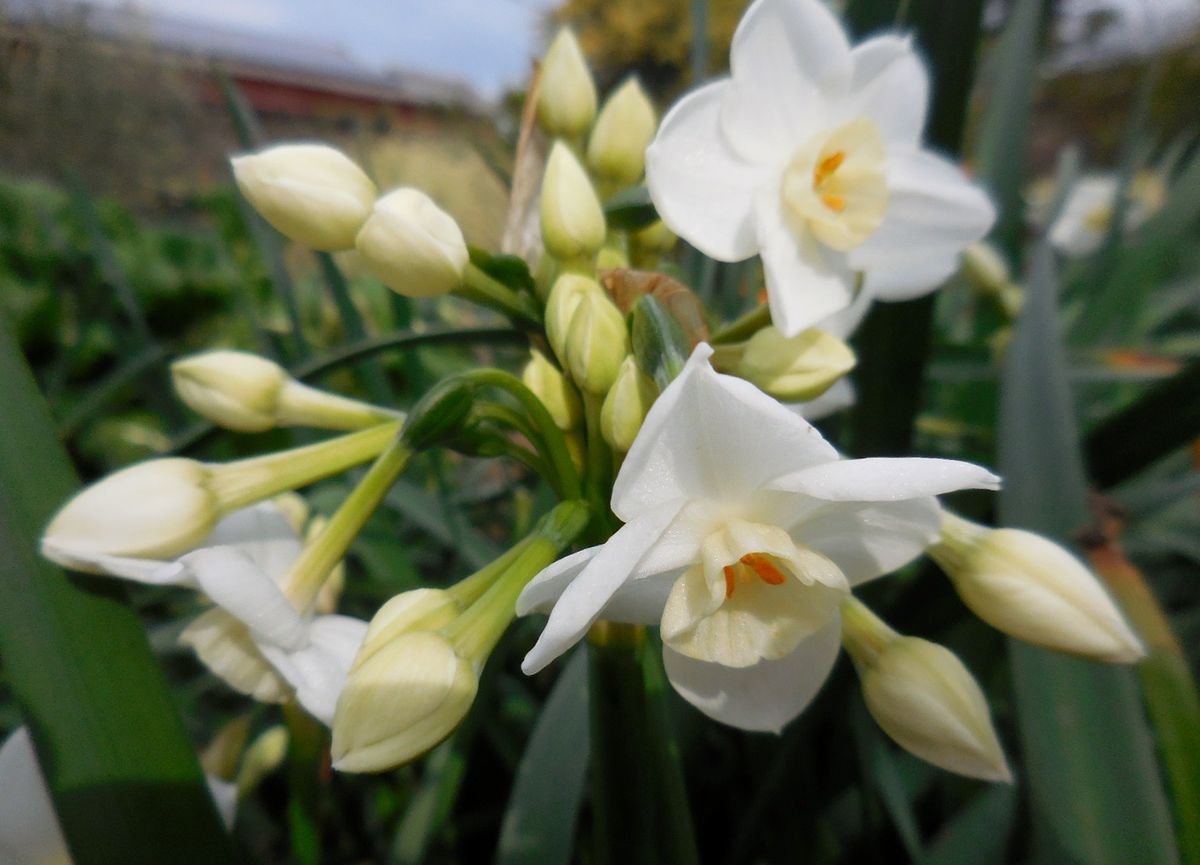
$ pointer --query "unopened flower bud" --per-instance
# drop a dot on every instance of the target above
(1031, 588)
(625, 406)
(312, 193)
(923, 697)
(561, 304)
(245, 392)
(400, 701)
(597, 343)
(556, 393)
(567, 94)
(155, 509)
(413, 246)
(414, 610)
(649, 244)
(573, 225)
(623, 131)
(264, 755)
(985, 268)
(794, 369)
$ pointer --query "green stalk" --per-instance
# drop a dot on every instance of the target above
(480, 288)
(744, 327)
(599, 478)
(113, 750)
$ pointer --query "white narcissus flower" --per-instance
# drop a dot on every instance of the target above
(744, 531)
(1088, 211)
(810, 155)
(253, 638)
(29, 830)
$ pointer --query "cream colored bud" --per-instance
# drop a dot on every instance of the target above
(611, 257)
(573, 225)
(795, 369)
(626, 126)
(626, 405)
(248, 393)
(556, 393)
(401, 701)
(566, 93)
(312, 193)
(413, 246)
(561, 304)
(985, 268)
(414, 610)
(234, 389)
(597, 343)
(155, 509)
(923, 697)
(264, 755)
(1031, 588)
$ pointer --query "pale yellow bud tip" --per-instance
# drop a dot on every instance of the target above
(312, 193)
(155, 509)
(923, 697)
(549, 385)
(1031, 588)
(413, 246)
(797, 368)
(597, 343)
(572, 219)
(623, 131)
(401, 701)
(566, 92)
(233, 389)
(626, 405)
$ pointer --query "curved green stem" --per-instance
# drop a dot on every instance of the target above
(744, 327)
(480, 288)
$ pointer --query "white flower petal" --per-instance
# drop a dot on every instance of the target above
(789, 40)
(702, 191)
(583, 601)
(263, 533)
(868, 540)
(933, 213)
(886, 479)
(318, 670)
(890, 86)
(541, 593)
(226, 647)
(765, 125)
(763, 697)
(711, 437)
(225, 797)
(238, 585)
(29, 830)
(153, 572)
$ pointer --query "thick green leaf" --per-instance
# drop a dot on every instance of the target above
(539, 823)
(1096, 793)
(120, 768)
(977, 834)
(659, 345)
(508, 269)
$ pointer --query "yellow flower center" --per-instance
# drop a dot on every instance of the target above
(835, 185)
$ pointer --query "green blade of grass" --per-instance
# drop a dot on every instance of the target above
(1094, 784)
(120, 769)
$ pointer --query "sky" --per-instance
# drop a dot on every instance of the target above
(486, 43)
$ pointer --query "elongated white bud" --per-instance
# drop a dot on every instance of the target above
(923, 697)
(413, 246)
(573, 225)
(1033, 589)
(561, 304)
(155, 509)
(248, 393)
(625, 406)
(312, 193)
(415, 610)
(597, 343)
(623, 130)
(556, 393)
(567, 94)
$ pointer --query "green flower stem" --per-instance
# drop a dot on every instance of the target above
(244, 482)
(624, 824)
(864, 634)
(598, 469)
(566, 481)
(308, 406)
(744, 327)
(308, 573)
(480, 288)
(506, 416)
(476, 632)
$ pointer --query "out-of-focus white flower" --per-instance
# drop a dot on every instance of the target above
(29, 830)
(253, 637)
(1086, 215)
(413, 246)
(744, 531)
(312, 193)
(566, 92)
(810, 155)
(1034, 590)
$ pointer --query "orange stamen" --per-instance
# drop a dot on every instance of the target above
(834, 202)
(762, 566)
(827, 166)
(730, 581)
